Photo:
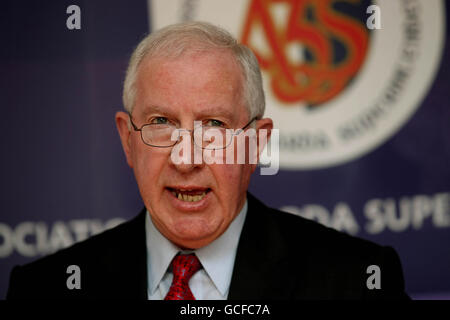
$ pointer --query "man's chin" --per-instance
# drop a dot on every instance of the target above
(192, 243)
(189, 235)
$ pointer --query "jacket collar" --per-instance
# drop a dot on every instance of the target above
(127, 263)
(262, 268)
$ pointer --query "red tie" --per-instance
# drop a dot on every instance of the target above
(183, 267)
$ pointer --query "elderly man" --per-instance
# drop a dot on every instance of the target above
(201, 235)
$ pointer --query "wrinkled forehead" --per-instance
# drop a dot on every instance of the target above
(188, 53)
(206, 78)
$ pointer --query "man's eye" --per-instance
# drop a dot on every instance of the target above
(160, 120)
(214, 123)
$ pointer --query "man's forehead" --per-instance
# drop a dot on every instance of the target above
(195, 61)
(218, 93)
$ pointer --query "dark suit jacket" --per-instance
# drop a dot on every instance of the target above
(279, 256)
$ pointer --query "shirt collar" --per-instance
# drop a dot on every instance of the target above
(160, 253)
(217, 258)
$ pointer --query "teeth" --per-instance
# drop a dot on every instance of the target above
(188, 197)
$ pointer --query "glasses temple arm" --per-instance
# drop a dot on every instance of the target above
(132, 123)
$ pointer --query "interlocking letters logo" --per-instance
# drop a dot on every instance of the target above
(317, 29)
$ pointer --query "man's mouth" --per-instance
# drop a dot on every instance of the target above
(189, 194)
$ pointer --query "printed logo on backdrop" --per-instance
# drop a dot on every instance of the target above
(38, 238)
(335, 88)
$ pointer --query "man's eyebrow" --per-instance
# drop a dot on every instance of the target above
(214, 111)
(153, 109)
(217, 111)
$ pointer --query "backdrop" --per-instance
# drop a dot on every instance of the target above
(358, 89)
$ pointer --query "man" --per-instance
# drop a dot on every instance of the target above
(201, 235)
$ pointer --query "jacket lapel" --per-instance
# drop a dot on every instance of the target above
(126, 262)
(262, 268)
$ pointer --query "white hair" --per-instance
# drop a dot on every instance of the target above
(173, 40)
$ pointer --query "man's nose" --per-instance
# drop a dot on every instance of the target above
(186, 155)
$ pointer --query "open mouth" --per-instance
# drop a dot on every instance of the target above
(189, 195)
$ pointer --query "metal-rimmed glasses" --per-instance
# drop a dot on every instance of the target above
(211, 137)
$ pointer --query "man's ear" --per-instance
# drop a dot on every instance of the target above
(265, 124)
(122, 123)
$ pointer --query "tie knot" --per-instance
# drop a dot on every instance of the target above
(184, 266)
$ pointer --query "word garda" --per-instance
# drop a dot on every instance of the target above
(379, 215)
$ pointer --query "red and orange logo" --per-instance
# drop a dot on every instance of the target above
(315, 26)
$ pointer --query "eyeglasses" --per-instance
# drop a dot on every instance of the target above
(206, 137)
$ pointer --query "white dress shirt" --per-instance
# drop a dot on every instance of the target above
(217, 259)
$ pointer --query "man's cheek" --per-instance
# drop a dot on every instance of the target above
(230, 175)
(146, 170)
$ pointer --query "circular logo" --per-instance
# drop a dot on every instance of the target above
(341, 77)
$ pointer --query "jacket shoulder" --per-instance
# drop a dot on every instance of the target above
(47, 276)
(332, 260)
(296, 228)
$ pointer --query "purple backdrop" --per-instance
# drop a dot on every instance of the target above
(64, 176)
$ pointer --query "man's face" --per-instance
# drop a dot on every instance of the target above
(204, 87)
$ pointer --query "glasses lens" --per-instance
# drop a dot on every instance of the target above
(158, 135)
(212, 138)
